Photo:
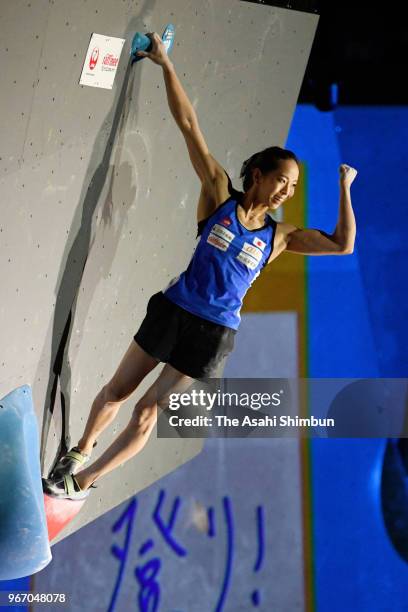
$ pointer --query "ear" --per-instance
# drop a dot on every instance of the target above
(256, 175)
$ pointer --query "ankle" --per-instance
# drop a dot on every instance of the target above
(84, 481)
(85, 448)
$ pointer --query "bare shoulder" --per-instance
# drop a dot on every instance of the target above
(220, 186)
(217, 186)
(284, 229)
(213, 193)
(282, 232)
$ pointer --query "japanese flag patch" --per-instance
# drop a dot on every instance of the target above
(259, 243)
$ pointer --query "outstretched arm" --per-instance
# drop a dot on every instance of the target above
(318, 242)
(207, 168)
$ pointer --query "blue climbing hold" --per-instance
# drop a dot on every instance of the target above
(24, 541)
(141, 42)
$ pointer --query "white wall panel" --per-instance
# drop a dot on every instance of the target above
(98, 193)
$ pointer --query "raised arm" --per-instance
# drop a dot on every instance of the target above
(318, 242)
(207, 168)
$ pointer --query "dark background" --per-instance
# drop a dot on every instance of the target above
(359, 47)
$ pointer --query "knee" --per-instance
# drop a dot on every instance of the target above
(111, 393)
(144, 415)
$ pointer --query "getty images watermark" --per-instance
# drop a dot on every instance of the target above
(253, 401)
(286, 408)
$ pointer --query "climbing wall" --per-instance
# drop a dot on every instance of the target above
(99, 195)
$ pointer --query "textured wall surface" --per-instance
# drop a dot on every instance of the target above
(99, 196)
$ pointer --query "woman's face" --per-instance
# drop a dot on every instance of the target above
(277, 186)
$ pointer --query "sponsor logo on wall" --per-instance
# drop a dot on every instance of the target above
(101, 61)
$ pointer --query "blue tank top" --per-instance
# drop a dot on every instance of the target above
(226, 261)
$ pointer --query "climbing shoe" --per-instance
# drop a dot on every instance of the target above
(70, 463)
(65, 488)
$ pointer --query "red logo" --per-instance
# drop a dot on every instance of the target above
(110, 60)
(226, 221)
(94, 58)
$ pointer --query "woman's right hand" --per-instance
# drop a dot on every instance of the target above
(158, 53)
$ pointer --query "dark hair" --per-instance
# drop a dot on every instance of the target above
(266, 160)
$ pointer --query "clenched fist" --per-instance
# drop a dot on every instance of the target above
(347, 174)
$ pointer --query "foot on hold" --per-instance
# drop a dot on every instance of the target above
(65, 488)
(69, 463)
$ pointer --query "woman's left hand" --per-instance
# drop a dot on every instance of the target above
(347, 174)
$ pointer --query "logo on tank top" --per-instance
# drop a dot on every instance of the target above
(220, 237)
(252, 250)
(259, 243)
(250, 256)
(249, 261)
(226, 221)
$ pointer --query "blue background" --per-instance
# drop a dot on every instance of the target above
(357, 313)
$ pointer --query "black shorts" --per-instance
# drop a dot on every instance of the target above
(193, 345)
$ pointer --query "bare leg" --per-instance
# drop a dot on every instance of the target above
(135, 365)
(135, 435)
